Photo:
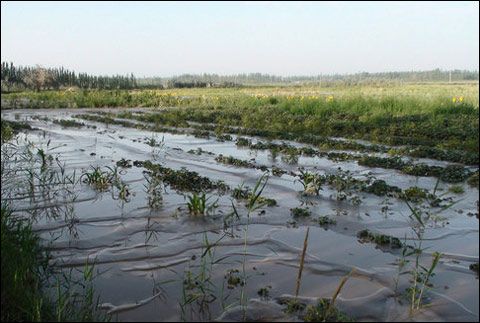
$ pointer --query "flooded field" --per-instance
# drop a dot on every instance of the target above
(160, 256)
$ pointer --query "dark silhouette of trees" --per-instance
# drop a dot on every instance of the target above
(17, 78)
(38, 78)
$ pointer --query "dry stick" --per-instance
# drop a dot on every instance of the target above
(331, 306)
(302, 260)
(340, 286)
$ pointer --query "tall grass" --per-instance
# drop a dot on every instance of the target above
(31, 290)
(412, 114)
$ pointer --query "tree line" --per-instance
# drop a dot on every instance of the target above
(202, 80)
(18, 78)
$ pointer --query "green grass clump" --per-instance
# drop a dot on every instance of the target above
(323, 312)
(381, 188)
(69, 123)
(474, 267)
(224, 137)
(454, 174)
(10, 128)
(198, 206)
(379, 239)
(183, 179)
(311, 182)
(264, 292)
(294, 306)
(242, 142)
(7, 132)
(233, 278)
(246, 193)
(23, 264)
(234, 161)
(325, 221)
(474, 180)
(456, 189)
(449, 174)
(30, 288)
(299, 212)
(99, 179)
(415, 194)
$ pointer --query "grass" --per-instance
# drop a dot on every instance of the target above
(154, 190)
(264, 292)
(23, 264)
(325, 221)
(242, 192)
(99, 179)
(409, 114)
(69, 123)
(325, 309)
(474, 180)
(31, 288)
(413, 117)
(379, 239)
(10, 128)
(198, 206)
(291, 153)
(456, 189)
(299, 212)
(311, 182)
(183, 179)
(474, 267)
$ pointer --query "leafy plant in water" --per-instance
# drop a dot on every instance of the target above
(100, 179)
(379, 239)
(311, 182)
(154, 190)
(299, 212)
(197, 204)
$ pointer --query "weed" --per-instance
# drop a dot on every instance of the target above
(69, 123)
(312, 183)
(99, 179)
(183, 179)
(264, 292)
(415, 194)
(456, 189)
(325, 221)
(294, 306)
(245, 193)
(379, 239)
(324, 312)
(300, 212)
(474, 267)
(233, 278)
(474, 180)
(197, 205)
(154, 189)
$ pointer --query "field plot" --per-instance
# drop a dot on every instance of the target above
(202, 214)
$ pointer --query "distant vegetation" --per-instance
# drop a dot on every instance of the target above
(205, 80)
(20, 78)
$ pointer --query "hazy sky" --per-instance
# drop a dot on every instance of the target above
(279, 38)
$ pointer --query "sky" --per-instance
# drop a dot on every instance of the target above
(293, 38)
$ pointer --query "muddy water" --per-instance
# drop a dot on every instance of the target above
(142, 254)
